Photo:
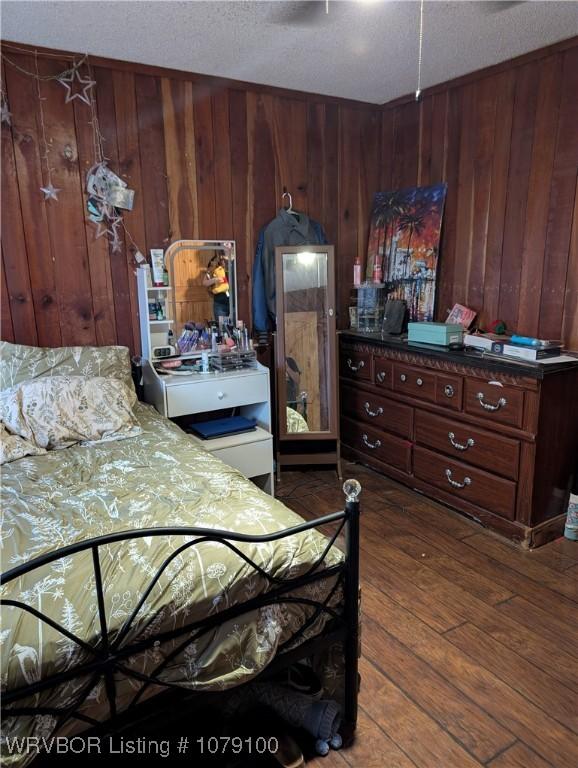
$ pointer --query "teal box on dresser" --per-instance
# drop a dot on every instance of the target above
(442, 334)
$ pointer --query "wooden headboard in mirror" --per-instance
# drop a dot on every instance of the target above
(202, 275)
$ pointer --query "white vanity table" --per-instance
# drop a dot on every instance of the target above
(246, 390)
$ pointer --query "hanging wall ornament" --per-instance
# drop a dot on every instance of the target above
(103, 184)
(72, 81)
(108, 194)
(5, 114)
(49, 191)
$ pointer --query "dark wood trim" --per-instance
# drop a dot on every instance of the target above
(210, 82)
(491, 71)
(519, 534)
(541, 466)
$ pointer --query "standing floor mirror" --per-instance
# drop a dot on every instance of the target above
(306, 356)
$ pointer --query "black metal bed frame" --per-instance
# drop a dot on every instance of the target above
(107, 656)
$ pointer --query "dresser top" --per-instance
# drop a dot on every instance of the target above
(465, 357)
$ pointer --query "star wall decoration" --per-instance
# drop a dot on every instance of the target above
(73, 91)
(50, 192)
(5, 114)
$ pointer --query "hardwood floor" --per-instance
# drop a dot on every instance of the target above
(470, 646)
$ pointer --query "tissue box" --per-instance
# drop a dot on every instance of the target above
(441, 334)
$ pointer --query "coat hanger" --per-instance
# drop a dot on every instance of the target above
(290, 208)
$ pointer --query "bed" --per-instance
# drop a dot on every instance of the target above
(145, 563)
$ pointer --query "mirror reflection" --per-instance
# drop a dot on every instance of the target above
(202, 276)
(306, 341)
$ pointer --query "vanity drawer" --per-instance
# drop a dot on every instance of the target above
(251, 459)
(470, 444)
(494, 402)
(449, 391)
(379, 412)
(213, 394)
(355, 365)
(380, 445)
(382, 371)
(414, 382)
(467, 483)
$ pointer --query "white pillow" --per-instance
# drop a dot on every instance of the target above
(14, 447)
(58, 411)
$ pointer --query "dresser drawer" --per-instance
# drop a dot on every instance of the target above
(382, 370)
(379, 412)
(355, 365)
(414, 382)
(494, 402)
(465, 482)
(470, 444)
(449, 391)
(380, 445)
(215, 393)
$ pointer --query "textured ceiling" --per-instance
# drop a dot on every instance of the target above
(361, 50)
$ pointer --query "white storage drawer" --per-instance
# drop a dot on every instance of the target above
(216, 393)
(252, 459)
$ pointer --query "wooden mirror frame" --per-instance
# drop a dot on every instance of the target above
(333, 399)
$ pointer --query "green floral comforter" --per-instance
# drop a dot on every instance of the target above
(156, 479)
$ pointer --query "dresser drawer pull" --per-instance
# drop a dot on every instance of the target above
(454, 483)
(354, 368)
(220, 395)
(369, 412)
(381, 377)
(419, 382)
(490, 406)
(403, 377)
(449, 390)
(461, 446)
(377, 443)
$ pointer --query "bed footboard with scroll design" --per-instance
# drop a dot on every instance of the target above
(107, 655)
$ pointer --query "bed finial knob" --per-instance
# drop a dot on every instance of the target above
(351, 489)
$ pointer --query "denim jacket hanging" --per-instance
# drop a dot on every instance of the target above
(284, 229)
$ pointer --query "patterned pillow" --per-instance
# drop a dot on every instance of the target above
(14, 447)
(20, 363)
(58, 411)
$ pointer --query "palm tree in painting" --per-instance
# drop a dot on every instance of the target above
(413, 221)
(393, 208)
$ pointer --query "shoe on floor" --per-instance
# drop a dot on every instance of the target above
(289, 753)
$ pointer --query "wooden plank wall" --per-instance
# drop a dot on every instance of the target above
(206, 161)
(506, 142)
(211, 159)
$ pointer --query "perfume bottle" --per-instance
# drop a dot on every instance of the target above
(357, 272)
(377, 274)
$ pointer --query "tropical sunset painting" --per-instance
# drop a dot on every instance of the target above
(404, 236)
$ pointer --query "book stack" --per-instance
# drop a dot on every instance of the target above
(484, 341)
(527, 349)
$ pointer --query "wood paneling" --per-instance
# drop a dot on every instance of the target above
(207, 159)
(505, 141)
(210, 158)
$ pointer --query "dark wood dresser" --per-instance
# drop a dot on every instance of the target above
(493, 439)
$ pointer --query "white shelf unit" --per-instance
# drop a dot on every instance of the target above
(246, 391)
(153, 333)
